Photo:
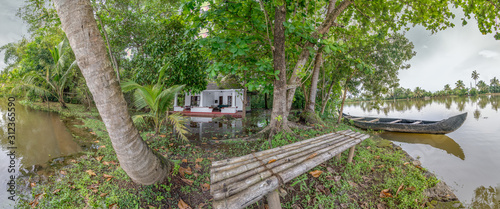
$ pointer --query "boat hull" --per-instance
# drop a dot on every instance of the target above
(410, 126)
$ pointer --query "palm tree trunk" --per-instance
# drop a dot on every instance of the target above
(140, 163)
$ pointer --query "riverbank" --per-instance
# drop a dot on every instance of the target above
(381, 175)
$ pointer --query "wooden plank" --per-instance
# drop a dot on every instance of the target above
(396, 121)
(372, 121)
(356, 118)
(417, 122)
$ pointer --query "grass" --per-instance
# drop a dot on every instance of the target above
(96, 180)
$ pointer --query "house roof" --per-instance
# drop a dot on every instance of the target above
(212, 86)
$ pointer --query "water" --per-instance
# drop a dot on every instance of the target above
(39, 137)
(468, 159)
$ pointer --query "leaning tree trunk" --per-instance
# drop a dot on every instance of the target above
(343, 100)
(279, 113)
(309, 115)
(136, 158)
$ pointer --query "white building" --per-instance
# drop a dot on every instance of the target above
(213, 99)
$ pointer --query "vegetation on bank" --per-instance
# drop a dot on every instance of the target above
(381, 174)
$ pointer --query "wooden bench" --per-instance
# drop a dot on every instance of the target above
(241, 181)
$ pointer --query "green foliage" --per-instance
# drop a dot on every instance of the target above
(158, 100)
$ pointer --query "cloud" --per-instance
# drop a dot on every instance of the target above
(488, 53)
(425, 46)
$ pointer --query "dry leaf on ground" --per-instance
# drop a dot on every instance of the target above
(183, 205)
(198, 160)
(205, 187)
(272, 160)
(316, 173)
(91, 173)
(385, 193)
(187, 181)
(184, 171)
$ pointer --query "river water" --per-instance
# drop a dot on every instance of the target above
(468, 159)
(39, 137)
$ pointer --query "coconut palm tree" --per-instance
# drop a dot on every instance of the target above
(158, 100)
(483, 87)
(475, 76)
(56, 76)
(140, 163)
(494, 82)
(459, 85)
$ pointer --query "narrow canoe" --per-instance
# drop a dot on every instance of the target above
(409, 126)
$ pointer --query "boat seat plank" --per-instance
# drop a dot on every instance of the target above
(357, 118)
(372, 121)
(417, 122)
(396, 121)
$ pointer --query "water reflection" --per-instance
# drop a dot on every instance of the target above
(442, 142)
(486, 197)
(466, 159)
(40, 136)
(388, 106)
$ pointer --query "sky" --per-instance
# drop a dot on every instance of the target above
(451, 55)
(442, 58)
(12, 27)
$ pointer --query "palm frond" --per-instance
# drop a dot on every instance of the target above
(140, 120)
(177, 121)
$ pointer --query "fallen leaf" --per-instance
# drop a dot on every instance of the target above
(216, 141)
(311, 156)
(205, 187)
(385, 193)
(201, 205)
(272, 160)
(163, 136)
(184, 160)
(171, 144)
(377, 157)
(368, 147)
(72, 161)
(103, 146)
(183, 171)
(93, 133)
(63, 172)
(412, 188)
(187, 181)
(32, 184)
(330, 170)
(214, 137)
(113, 206)
(352, 184)
(391, 170)
(105, 163)
(316, 173)
(380, 166)
(198, 160)
(406, 163)
(399, 189)
(56, 191)
(99, 158)
(197, 167)
(104, 194)
(91, 173)
(183, 205)
(107, 176)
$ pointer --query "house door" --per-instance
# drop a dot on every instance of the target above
(195, 101)
(220, 100)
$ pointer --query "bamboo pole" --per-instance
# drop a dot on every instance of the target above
(250, 156)
(273, 199)
(232, 186)
(255, 192)
(229, 171)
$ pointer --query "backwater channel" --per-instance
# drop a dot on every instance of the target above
(39, 137)
(468, 159)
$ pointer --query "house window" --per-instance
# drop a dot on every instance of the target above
(195, 101)
(230, 100)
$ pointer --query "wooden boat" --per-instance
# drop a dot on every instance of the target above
(409, 126)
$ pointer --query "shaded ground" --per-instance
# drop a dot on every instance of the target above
(381, 175)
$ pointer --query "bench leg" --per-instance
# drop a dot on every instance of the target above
(351, 154)
(338, 156)
(273, 199)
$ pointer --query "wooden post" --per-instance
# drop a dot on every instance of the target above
(351, 154)
(273, 199)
